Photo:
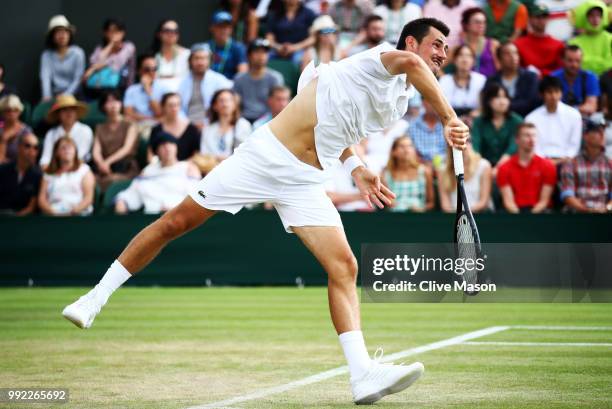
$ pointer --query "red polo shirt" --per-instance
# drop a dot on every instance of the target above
(526, 182)
(544, 53)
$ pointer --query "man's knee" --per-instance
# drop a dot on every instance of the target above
(173, 224)
(344, 268)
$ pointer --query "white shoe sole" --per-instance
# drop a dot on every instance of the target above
(417, 370)
(73, 317)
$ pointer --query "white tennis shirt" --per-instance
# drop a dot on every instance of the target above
(356, 97)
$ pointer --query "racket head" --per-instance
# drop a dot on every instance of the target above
(466, 238)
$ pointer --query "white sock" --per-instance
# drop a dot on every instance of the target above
(355, 352)
(115, 276)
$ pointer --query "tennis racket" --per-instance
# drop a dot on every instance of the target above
(466, 237)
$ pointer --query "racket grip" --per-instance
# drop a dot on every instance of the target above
(458, 161)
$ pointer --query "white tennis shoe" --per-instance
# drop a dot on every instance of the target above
(384, 379)
(83, 311)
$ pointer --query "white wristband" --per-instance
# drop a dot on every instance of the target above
(351, 163)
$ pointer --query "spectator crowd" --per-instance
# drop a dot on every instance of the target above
(133, 130)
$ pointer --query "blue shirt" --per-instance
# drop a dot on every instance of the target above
(591, 87)
(225, 59)
(428, 142)
(137, 98)
(291, 31)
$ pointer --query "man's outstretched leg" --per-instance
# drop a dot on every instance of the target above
(370, 380)
(143, 248)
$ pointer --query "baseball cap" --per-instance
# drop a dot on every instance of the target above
(594, 122)
(222, 17)
(160, 138)
(259, 43)
(540, 10)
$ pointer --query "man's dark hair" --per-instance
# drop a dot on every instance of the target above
(502, 47)
(550, 83)
(370, 19)
(419, 29)
(142, 58)
(278, 88)
(571, 47)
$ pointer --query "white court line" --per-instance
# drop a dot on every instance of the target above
(536, 344)
(262, 393)
(560, 328)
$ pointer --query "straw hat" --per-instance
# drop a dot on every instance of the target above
(323, 22)
(10, 102)
(66, 101)
(60, 21)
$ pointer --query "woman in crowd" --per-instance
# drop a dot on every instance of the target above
(494, 130)
(226, 129)
(171, 58)
(172, 122)
(245, 24)
(397, 13)
(325, 48)
(288, 30)
(477, 182)
(115, 143)
(62, 63)
(410, 180)
(66, 112)
(67, 187)
(474, 23)
(462, 88)
(112, 63)
(11, 129)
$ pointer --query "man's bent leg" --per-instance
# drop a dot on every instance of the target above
(143, 248)
(330, 247)
(370, 380)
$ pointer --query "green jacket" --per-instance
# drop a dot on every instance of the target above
(493, 143)
(595, 42)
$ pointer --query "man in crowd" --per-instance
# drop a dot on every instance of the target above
(559, 125)
(197, 88)
(592, 18)
(278, 99)
(228, 55)
(374, 29)
(538, 49)
(580, 87)
(506, 19)
(163, 184)
(254, 86)
(526, 180)
(586, 180)
(141, 100)
(427, 134)
(20, 180)
(522, 85)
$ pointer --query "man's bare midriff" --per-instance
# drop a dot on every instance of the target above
(294, 126)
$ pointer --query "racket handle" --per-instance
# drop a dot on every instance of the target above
(458, 161)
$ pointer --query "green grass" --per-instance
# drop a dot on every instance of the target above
(172, 348)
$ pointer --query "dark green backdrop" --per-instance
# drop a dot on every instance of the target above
(249, 248)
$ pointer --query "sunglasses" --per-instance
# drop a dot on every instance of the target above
(149, 69)
(169, 30)
(29, 145)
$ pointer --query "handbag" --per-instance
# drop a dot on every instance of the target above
(104, 78)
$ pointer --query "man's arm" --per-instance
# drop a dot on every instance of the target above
(545, 194)
(420, 75)
(508, 199)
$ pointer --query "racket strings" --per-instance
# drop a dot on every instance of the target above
(466, 249)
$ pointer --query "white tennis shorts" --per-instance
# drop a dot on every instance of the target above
(261, 170)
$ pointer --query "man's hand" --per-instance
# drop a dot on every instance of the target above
(371, 189)
(456, 133)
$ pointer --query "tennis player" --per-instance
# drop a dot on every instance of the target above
(284, 163)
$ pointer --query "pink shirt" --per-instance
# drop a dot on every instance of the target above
(451, 16)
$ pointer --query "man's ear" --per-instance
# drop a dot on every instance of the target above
(411, 44)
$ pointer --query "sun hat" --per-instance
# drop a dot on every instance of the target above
(323, 23)
(60, 21)
(66, 101)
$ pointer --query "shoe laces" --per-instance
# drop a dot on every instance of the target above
(378, 356)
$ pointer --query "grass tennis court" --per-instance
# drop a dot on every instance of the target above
(183, 347)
